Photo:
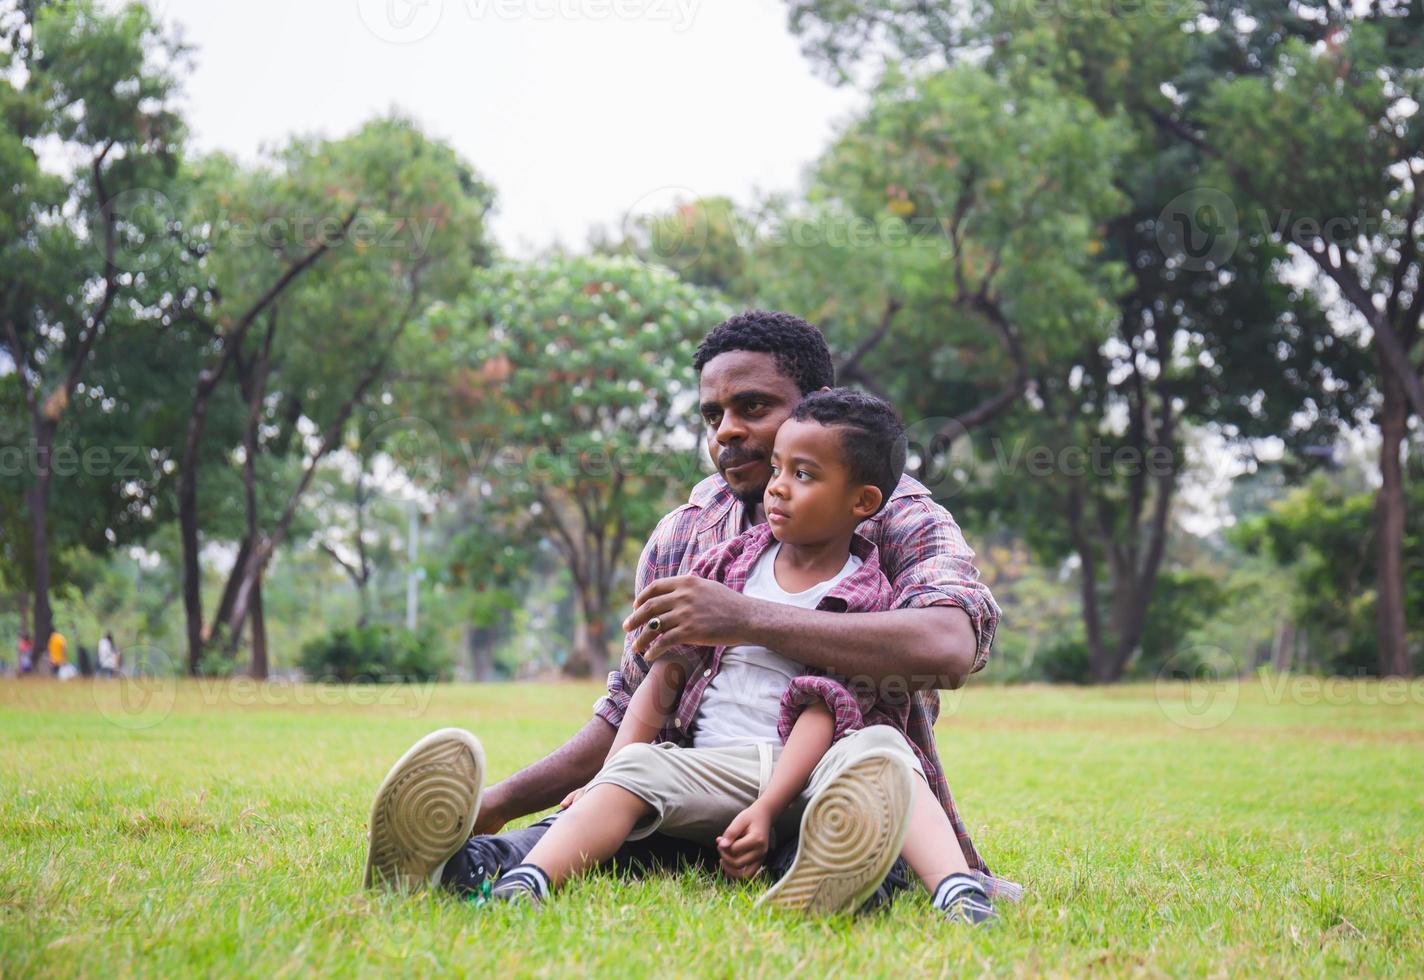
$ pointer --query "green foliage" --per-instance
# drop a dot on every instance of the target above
(376, 653)
(572, 402)
(1322, 537)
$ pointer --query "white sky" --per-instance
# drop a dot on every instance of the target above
(575, 110)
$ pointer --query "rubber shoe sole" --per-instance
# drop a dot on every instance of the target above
(851, 834)
(425, 809)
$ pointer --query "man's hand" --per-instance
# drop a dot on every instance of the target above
(742, 846)
(573, 797)
(693, 611)
(491, 818)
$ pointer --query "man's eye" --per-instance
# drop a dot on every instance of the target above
(712, 419)
(754, 408)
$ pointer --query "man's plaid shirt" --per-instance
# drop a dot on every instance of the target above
(922, 553)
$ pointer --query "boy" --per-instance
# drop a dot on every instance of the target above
(834, 465)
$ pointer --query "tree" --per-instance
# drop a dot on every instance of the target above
(335, 246)
(1194, 342)
(576, 396)
(93, 87)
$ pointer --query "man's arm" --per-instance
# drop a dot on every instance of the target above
(938, 634)
(919, 649)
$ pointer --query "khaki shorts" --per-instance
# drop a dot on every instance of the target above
(695, 793)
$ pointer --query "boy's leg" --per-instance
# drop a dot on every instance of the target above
(590, 831)
(933, 852)
(931, 848)
(690, 792)
(483, 857)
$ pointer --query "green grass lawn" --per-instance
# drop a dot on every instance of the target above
(221, 829)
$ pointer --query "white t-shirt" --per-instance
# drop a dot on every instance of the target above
(742, 704)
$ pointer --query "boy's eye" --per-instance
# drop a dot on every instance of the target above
(775, 469)
(802, 475)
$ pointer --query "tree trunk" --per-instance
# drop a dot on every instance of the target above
(234, 579)
(37, 499)
(1389, 532)
(479, 644)
(188, 515)
(1098, 656)
(259, 635)
(589, 649)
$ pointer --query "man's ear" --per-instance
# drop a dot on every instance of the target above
(867, 502)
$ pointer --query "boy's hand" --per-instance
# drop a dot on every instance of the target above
(573, 797)
(742, 846)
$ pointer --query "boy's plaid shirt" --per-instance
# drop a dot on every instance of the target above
(863, 590)
(923, 555)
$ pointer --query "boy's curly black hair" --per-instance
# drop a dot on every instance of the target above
(871, 433)
(798, 347)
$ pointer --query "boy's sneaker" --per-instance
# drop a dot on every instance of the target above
(425, 810)
(851, 834)
(960, 898)
(522, 884)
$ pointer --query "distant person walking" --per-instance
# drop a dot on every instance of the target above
(108, 656)
(57, 649)
(27, 649)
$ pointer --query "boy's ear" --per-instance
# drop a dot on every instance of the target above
(867, 502)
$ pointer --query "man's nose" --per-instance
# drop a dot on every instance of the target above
(731, 430)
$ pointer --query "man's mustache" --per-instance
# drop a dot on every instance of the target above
(735, 457)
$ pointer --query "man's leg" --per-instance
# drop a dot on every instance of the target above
(857, 809)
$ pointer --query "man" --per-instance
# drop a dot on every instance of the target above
(752, 371)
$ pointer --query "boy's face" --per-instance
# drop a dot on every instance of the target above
(811, 497)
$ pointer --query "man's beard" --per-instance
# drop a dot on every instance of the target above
(751, 497)
(732, 457)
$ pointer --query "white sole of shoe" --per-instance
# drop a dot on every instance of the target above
(425, 809)
(851, 834)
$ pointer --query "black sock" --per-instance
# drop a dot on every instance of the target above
(522, 881)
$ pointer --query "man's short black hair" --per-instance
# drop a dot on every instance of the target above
(871, 434)
(800, 350)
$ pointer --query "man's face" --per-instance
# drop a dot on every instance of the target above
(744, 399)
(811, 497)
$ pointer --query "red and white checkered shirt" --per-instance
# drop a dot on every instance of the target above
(922, 554)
